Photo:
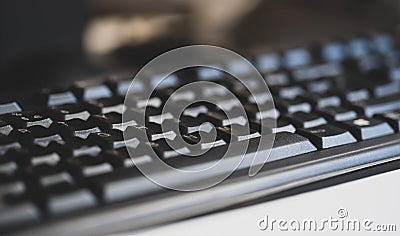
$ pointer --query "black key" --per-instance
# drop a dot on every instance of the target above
(27, 119)
(62, 200)
(106, 105)
(322, 100)
(196, 109)
(277, 79)
(334, 51)
(377, 106)
(292, 106)
(360, 47)
(77, 128)
(141, 101)
(8, 165)
(113, 121)
(189, 125)
(383, 89)
(317, 71)
(281, 126)
(305, 120)
(337, 113)
(91, 89)
(237, 133)
(120, 83)
(393, 118)
(69, 112)
(5, 128)
(319, 86)
(9, 107)
(54, 97)
(88, 166)
(289, 145)
(253, 112)
(114, 139)
(354, 92)
(218, 118)
(326, 136)
(206, 143)
(288, 92)
(6, 144)
(367, 128)
(297, 57)
(384, 43)
(13, 215)
(268, 62)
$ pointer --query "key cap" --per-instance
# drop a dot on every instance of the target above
(218, 118)
(9, 107)
(392, 117)
(326, 136)
(119, 84)
(163, 81)
(87, 166)
(377, 106)
(5, 128)
(268, 62)
(27, 119)
(6, 144)
(189, 125)
(281, 126)
(54, 97)
(384, 43)
(69, 112)
(207, 143)
(90, 90)
(288, 92)
(305, 120)
(367, 128)
(359, 47)
(8, 165)
(322, 100)
(334, 51)
(61, 201)
(106, 105)
(209, 73)
(296, 57)
(337, 113)
(317, 71)
(319, 86)
(114, 139)
(288, 145)
(253, 112)
(292, 106)
(277, 79)
(77, 128)
(237, 133)
(195, 110)
(354, 93)
(383, 89)
(13, 215)
(113, 121)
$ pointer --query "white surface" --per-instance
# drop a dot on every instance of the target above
(376, 198)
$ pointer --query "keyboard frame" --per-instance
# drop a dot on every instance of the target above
(275, 177)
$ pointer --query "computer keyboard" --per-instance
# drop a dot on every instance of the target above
(63, 156)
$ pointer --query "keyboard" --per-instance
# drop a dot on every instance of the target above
(65, 166)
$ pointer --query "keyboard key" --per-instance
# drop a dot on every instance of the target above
(77, 128)
(367, 128)
(377, 106)
(289, 145)
(297, 57)
(218, 118)
(69, 112)
(120, 84)
(237, 133)
(54, 97)
(268, 62)
(14, 215)
(334, 51)
(63, 200)
(7, 144)
(10, 107)
(91, 89)
(337, 113)
(322, 100)
(305, 120)
(292, 106)
(5, 128)
(288, 92)
(392, 117)
(27, 119)
(114, 121)
(277, 79)
(106, 105)
(326, 136)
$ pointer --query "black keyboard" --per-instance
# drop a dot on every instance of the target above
(65, 168)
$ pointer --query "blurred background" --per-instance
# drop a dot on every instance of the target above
(48, 42)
